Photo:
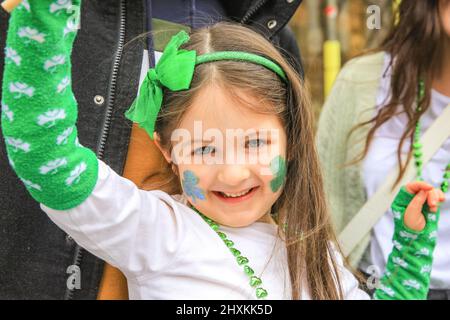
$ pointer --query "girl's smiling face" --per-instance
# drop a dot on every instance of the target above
(231, 160)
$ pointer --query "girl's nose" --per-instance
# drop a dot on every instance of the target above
(233, 174)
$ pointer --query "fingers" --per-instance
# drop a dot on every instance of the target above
(418, 201)
(414, 218)
(416, 186)
(441, 195)
(433, 200)
(424, 192)
(435, 197)
(9, 5)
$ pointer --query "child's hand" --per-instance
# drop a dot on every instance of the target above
(416, 216)
(414, 219)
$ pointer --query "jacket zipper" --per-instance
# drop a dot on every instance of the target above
(113, 82)
(78, 256)
(252, 11)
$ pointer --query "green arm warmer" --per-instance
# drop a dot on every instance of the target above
(407, 274)
(39, 110)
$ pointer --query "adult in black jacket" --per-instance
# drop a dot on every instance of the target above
(37, 260)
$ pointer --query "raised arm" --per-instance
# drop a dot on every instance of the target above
(104, 212)
(39, 110)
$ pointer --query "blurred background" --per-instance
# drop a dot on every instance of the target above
(345, 28)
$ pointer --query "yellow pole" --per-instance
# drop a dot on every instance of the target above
(9, 5)
(331, 63)
(331, 48)
(395, 6)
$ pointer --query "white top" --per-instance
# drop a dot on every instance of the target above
(167, 251)
(382, 158)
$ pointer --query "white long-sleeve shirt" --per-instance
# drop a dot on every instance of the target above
(167, 251)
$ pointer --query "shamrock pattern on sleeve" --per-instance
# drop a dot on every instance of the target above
(410, 263)
(39, 109)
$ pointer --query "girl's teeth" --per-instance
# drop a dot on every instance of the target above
(235, 195)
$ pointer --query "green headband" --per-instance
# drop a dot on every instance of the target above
(174, 71)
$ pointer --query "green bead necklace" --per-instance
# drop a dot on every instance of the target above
(254, 281)
(417, 146)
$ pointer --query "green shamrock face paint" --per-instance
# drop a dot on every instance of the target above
(190, 181)
(278, 168)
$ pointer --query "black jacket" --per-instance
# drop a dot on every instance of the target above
(34, 253)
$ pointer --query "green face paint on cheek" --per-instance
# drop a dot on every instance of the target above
(190, 181)
(278, 168)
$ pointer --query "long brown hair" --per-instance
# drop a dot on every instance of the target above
(302, 206)
(415, 44)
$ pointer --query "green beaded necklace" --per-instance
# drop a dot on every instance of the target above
(417, 146)
(254, 281)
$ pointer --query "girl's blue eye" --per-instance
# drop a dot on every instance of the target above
(255, 143)
(204, 150)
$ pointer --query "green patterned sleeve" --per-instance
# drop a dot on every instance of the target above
(39, 110)
(407, 274)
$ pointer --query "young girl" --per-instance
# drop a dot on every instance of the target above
(250, 226)
(411, 69)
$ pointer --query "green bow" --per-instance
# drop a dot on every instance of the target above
(174, 71)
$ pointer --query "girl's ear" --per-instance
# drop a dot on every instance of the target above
(165, 153)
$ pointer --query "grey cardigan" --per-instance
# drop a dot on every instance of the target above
(352, 100)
